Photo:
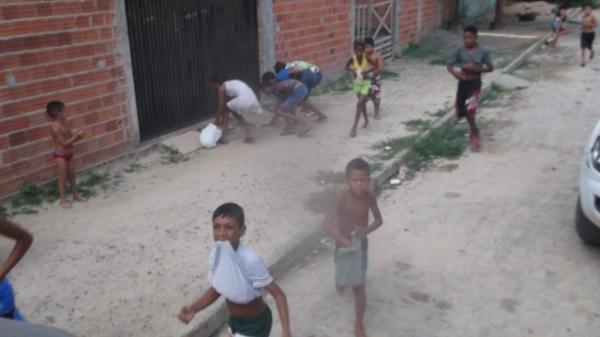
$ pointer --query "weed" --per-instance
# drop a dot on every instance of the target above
(440, 113)
(414, 51)
(493, 94)
(339, 85)
(171, 155)
(376, 166)
(388, 74)
(389, 148)
(417, 125)
(134, 167)
(447, 142)
(439, 61)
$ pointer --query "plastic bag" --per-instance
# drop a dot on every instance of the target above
(209, 136)
(349, 269)
(228, 277)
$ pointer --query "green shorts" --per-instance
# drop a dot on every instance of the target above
(259, 326)
(361, 88)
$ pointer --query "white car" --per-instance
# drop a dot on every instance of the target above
(587, 215)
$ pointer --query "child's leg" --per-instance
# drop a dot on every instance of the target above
(245, 125)
(63, 176)
(360, 303)
(365, 99)
(224, 124)
(356, 117)
(73, 182)
(311, 107)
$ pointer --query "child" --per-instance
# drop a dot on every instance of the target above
(237, 273)
(375, 90)
(305, 72)
(473, 60)
(558, 26)
(23, 242)
(290, 94)
(63, 140)
(347, 223)
(241, 100)
(588, 27)
(360, 65)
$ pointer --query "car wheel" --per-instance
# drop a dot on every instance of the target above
(587, 231)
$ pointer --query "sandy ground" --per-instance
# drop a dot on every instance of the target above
(488, 249)
(123, 263)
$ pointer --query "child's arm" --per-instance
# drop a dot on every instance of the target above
(348, 66)
(282, 307)
(220, 103)
(60, 139)
(373, 64)
(188, 312)
(329, 223)
(377, 219)
(24, 240)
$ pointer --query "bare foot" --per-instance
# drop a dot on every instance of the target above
(304, 131)
(359, 329)
(377, 117)
(353, 133)
(365, 125)
(65, 204)
(249, 140)
(79, 198)
(223, 141)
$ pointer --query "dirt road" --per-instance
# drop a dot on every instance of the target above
(488, 249)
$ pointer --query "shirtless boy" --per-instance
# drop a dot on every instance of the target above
(360, 66)
(241, 99)
(375, 91)
(348, 220)
(64, 140)
(239, 275)
(467, 65)
(588, 28)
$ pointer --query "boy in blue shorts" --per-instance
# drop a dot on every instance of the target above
(239, 275)
(290, 93)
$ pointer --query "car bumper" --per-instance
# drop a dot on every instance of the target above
(589, 193)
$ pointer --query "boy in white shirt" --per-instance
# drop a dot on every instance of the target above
(237, 273)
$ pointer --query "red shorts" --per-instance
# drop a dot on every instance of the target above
(65, 156)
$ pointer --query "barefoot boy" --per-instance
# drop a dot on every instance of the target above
(558, 25)
(241, 100)
(588, 27)
(375, 90)
(290, 93)
(360, 65)
(472, 60)
(23, 242)
(348, 223)
(239, 275)
(64, 141)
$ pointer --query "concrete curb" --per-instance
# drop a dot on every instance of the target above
(299, 251)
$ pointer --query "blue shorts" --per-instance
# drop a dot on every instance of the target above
(7, 302)
(296, 97)
(311, 79)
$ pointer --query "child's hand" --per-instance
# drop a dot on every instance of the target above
(186, 314)
(79, 135)
(359, 75)
(346, 243)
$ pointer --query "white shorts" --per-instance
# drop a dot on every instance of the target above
(243, 106)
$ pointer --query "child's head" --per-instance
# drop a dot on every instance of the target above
(470, 36)
(54, 109)
(228, 223)
(267, 81)
(359, 48)
(279, 66)
(218, 79)
(369, 45)
(587, 9)
(358, 176)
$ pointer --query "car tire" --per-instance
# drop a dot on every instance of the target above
(587, 231)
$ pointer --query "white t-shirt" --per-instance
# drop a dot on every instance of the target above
(238, 275)
(243, 98)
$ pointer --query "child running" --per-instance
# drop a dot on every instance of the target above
(64, 141)
(239, 275)
(290, 93)
(348, 224)
(360, 65)
(558, 25)
(588, 27)
(375, 91)
(472, 59)
(241, 99)
(23, 240)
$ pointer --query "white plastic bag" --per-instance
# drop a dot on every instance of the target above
(209, 136)
(228, 277)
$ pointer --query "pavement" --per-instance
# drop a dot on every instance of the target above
(123, 263)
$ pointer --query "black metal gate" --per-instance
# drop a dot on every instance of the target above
(176, 46)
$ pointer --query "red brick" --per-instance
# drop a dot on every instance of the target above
(43, 9)
(13, 124)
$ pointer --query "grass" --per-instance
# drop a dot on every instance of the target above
(439, 61)
(495, 92)
(376, 166)
(388, 149)
(417, 125)
(415, 51)
(448, 141)
(134, 167)
(439, 113)
(342, 84)
(388, 74)
(171, 155)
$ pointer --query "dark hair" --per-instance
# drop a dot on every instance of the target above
(358, 164)
(369, 42)
(230, 210)
(54, 108)
(218, 78)
(279, 66)
(471, 29)
(267, 78)
(359, 44)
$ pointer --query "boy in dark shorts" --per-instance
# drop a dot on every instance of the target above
(467, 65)
(588, 27)
(375, 90)
(239, 275)
(348, 224)
(290, 93)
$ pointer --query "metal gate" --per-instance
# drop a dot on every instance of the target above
(176, 46)
(376, 19)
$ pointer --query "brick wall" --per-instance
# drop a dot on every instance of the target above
(58, 50)
(313, 30)
(411, 27)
